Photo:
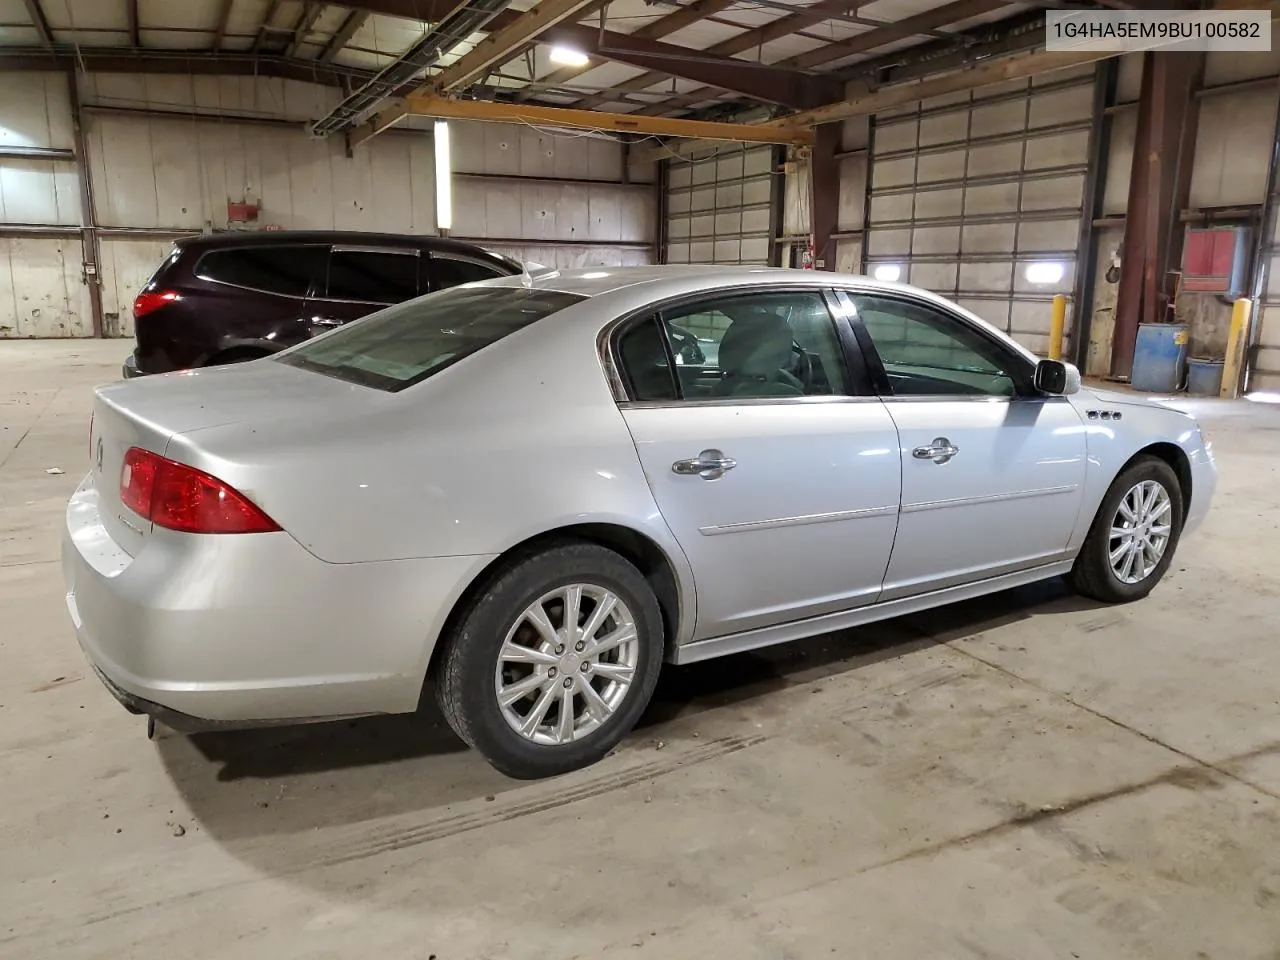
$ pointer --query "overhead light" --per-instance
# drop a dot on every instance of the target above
(888, 272)
(1044, 272)
(569, 57)
(444, 177)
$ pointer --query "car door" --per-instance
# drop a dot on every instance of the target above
(361, 279)
(774, 467)
(992, 471)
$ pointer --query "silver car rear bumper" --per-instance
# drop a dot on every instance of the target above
(252, 628)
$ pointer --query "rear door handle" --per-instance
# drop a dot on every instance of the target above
(709, 465)
(940, 451)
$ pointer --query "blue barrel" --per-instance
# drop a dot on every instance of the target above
(1159, 357)
(1204, 377)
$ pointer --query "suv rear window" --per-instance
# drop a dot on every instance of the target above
(403, 345)
(286, 270)
(450, 271)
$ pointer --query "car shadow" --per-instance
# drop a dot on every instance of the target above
(250, 785)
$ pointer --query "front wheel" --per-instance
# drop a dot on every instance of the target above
(555, 661)
(1134, 535)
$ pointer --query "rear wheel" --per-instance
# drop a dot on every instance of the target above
(554, 663)
(1134, 535)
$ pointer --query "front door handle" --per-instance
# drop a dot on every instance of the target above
(940, 451)
(709, 465)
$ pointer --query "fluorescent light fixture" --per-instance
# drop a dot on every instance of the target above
(444, 177)
(595, 275)
(888, 272)
(568, 57)
(1043, 272)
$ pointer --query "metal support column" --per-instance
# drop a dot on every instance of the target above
(1104, 97)
(91, 269)
(824, 186)
(661, 169)
(1168, 111)
(777, 202)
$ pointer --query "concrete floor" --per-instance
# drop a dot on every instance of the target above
(1029, 776)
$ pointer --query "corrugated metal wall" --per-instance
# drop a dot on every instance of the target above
(1234, 149)
(969, 191)
(719, 207)
(557, 199)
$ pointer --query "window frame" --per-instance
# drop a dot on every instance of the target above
(1020, 369)
(857, 373)
(367, 248)
(284, 245)
(433, 284)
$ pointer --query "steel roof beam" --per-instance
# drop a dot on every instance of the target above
(220, 32)
(918, 25)
(40, 22)
(681, 18)
(431, 105)
(350, 27)
(789, 88)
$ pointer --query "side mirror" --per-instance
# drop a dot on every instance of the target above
(1056, 378)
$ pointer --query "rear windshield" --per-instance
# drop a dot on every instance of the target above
(402, 345)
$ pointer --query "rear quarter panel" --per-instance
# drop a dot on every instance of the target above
(518, 440)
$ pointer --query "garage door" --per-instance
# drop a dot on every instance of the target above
(718, 207)
(979, 197)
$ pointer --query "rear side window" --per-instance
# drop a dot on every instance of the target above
(403, 345)
(286, 270)
(451, 272)
(373, 276)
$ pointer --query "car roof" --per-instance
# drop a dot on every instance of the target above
(677, 279)
(207, 241)
(635, 288)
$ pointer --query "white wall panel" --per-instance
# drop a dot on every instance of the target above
(40, 290)
(34, 110)
(968, 189)
(1233, 148)
(718, 207)
(127, 264)
(179, 173)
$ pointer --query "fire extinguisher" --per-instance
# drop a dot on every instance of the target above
(806, 258)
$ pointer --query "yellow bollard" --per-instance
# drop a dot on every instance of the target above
(1241, 311)
(1057, 326)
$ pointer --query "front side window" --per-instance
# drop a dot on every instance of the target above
(286, 270)
(404, 344)
(373, 276)
(750, 346)
(926, 352)
(449, 271)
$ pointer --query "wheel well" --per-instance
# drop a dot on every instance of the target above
(637, 548)
(1174, 456)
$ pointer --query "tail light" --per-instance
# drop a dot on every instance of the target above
(150, 300)
(178, 497)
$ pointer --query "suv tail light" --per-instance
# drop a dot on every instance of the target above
(151, 300)
(178, 497)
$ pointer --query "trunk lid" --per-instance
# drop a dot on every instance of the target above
(149, 412)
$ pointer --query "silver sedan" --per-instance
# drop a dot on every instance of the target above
(523, 495)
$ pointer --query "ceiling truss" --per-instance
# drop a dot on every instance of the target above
(479, 56)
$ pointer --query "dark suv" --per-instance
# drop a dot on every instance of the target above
(224, 298)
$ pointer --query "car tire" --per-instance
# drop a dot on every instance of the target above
(1094, 574)
(491, 652)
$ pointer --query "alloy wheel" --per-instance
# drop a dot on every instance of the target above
(567, 664)
(1140, 531)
